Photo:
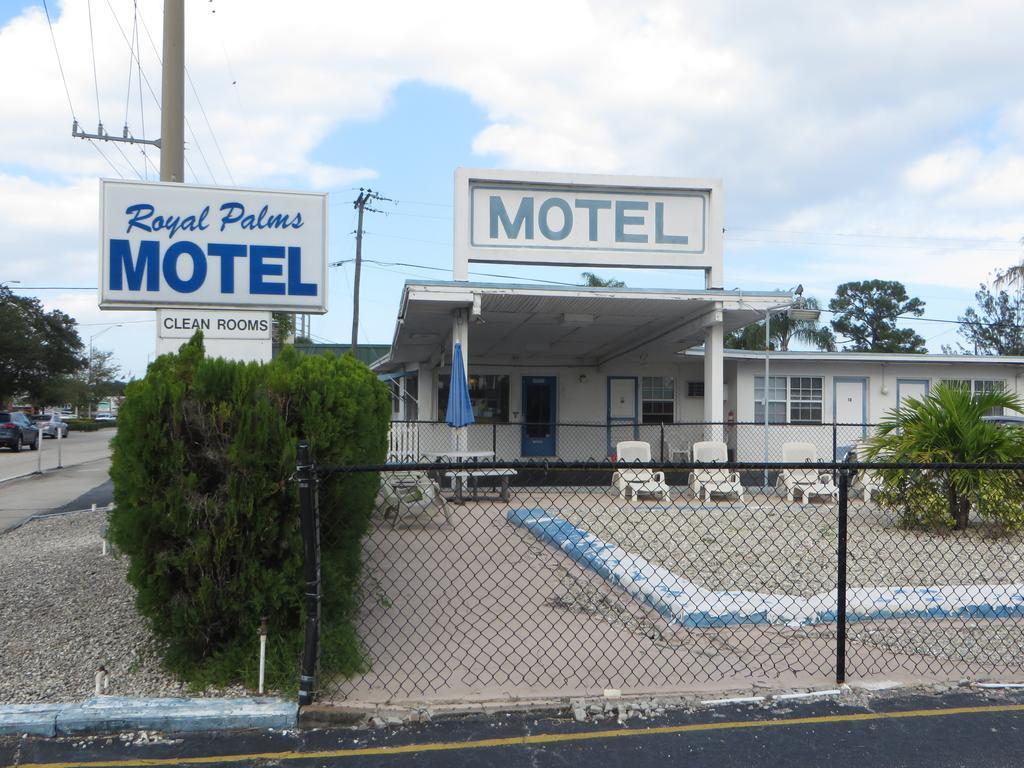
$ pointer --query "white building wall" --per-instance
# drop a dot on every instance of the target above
(881, 397)
(582, 405)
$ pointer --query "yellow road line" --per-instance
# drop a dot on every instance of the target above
(534, 740)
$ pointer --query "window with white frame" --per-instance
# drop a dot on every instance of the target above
(805, 399)
(979, 386)
(657, 399)
(965, 383)
(982, 386)
(792, 400)
(776, 399)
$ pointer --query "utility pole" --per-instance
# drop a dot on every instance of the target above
(365, 196)
(360, 205)
(172, 94)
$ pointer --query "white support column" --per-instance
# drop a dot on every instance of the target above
(714, 380)
(426, 393)
(460, 333)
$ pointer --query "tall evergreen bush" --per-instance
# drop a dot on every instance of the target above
(207, 512)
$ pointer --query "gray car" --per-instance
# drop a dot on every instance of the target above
(52, 424)
(16, 430)
(1005, 420)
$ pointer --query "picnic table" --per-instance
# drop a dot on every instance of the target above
(470, 473)
(471, 476)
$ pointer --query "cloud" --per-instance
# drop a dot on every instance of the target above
(871, 118)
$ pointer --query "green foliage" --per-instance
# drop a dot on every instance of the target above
(946, 427)
(89, 425)
(784, 330)
(866, 314)
(996, 327)
(208, 514)
(592, 280)
(38, 346)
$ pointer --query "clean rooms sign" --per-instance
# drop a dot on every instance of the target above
(588, 220)
(220, 324)
(176, 245)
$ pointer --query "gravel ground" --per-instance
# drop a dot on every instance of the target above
(66, 610)
(768, 545)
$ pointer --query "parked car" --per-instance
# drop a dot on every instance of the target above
(106, 417)
(16, 430)
(1005, 420)
(52, 424)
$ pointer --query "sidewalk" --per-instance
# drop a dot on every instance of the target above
(52, 491)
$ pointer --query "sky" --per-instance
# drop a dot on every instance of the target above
(855, 140)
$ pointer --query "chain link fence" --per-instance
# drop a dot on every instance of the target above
(509, 578)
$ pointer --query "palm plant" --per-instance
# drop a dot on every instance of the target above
(784, 330)
(946, 426)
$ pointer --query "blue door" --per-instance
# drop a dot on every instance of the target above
(539, 416)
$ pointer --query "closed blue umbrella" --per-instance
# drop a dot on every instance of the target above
(460, 407)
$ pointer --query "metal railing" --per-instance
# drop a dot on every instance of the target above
(574, 441)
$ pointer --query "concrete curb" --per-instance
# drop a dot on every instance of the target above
(688, 604)
(106, 714)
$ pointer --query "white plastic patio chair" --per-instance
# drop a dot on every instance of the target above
(709, 481)
(411, 494)
(867, 481)
(806, 482)
(641, 481)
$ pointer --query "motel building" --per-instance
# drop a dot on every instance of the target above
(564, 373)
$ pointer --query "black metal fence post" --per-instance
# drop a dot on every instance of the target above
(662, 453)
(310, 523)
(841, 577)
(494, 440)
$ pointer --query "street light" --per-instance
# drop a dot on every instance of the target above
(797, 309)
(89, 381)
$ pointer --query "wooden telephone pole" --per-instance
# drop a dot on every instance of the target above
(360, 204)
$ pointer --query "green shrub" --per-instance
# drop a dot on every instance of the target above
(208, 514)
(88, 425)
(947, 426)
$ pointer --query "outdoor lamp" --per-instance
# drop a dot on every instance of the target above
(803, 313)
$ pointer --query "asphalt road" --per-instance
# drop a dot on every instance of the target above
(79, 447)
(84, 480)
(954, 729)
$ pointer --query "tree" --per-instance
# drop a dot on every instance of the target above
(996, 327)
(596, 281)
(101, 378)
(38, 346)
(784, 330)
(946, 426)
(866, 314)
(207, 511)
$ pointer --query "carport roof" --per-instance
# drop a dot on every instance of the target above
(555, 325)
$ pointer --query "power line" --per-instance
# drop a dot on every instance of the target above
(95, 79)
(944, 238)
(104, 156)
(60, 65)
(131, 63)
(409, 239)
(125, 157)
(885, 246)
(963, 241)
(213, 135)
(234, 82)
(377, 262)
(188, 124)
